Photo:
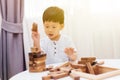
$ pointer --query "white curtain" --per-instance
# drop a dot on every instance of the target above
(94, 25)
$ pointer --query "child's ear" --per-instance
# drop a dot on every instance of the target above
(62, 26)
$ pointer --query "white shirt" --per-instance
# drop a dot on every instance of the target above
(55, 49)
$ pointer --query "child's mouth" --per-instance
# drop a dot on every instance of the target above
(50, 35)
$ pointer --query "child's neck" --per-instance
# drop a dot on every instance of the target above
(56, 38)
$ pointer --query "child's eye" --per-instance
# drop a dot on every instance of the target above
(54, 27)
(47, 26)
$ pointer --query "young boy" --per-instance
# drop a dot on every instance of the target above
(58, 47)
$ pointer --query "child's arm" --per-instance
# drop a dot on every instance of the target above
(36, 36)
(71, 53)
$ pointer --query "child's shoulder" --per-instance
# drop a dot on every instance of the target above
(65, 37)
(44, 39)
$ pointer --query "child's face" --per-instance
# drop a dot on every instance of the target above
(52, 29)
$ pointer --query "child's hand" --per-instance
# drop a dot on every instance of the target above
(35, 36)
(36, 39)
(71, 53)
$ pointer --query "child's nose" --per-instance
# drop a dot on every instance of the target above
(50, 29)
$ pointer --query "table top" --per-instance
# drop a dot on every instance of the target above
(26, 75)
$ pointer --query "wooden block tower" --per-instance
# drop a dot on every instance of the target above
(36, 61)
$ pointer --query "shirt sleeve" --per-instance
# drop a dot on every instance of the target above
(71, 44)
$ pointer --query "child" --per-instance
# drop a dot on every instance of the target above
(58, 47)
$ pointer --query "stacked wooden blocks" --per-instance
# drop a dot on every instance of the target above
(36, 61)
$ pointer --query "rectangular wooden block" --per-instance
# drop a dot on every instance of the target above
(66, 69)
(48, 77)
(74, 76)
(34, 27)
(37, 62)
(90, 68)
(60, 75)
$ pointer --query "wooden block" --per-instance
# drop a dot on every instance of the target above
(55, 72)
(54, 69)
(94, 63)
(49, 67)
(88, 58)
(66, 69)
(36, 68)
(40, 59)
(96, 69)
(39, 55)
(103, 69)
(90, 69)
(81, 62)
(48, 77)
(34, 27)
(65, 64)
(74, 76)
(61, 75)
(37, 62)
(76, 66)
(34, 49)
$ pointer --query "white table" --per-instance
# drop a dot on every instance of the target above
(26, 75)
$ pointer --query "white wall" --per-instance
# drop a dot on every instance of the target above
(94, 25)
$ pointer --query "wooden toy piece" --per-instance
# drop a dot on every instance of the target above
(49, 67)
(76, 66)
(48, 77)
(95, 66)
(66, 69)
(34, 49)
(79, 66)
(81, 62)
(74, 76)
(58, 67)
(65, 64)
(37, 62)
(54, 69)
(55, 72)
(103, 69)
(88, 59)
(96, 69)
(90, 68)
(34, 27)
(60, 75)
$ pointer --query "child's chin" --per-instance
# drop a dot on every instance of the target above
(51, 38)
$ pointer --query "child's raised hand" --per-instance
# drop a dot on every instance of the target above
(35, 36)
(71, 53)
